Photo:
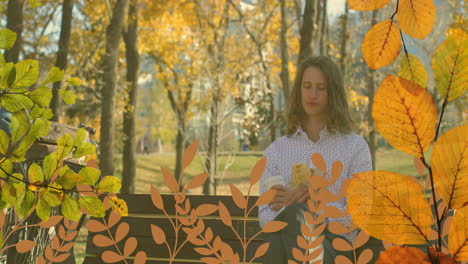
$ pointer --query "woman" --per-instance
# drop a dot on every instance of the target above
(318, 120)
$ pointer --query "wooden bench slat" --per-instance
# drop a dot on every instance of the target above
(142, 204)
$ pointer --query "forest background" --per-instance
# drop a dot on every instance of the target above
(158, 75)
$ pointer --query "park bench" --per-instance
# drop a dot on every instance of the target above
(142, 214)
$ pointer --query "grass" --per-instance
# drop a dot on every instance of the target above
(238, 173)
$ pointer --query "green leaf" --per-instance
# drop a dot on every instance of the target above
(44, 113)
(35, 174)
(38, 129)
(41, 96)
(93, 205)
(80, 135)
(51, 198)
(71, 208)
(69, 179)
(7, 38)
(24, 207)
(43, 210)
(65, 146)
(7, 75)
(50, 165)
(4, 142)
(85, 148)
(35, 3)
(19, 125)
(6, 167)
(67, 96)
(90, 175)
(75, 81)
(411, 68)
(2, 60)
(55, 75)
(9, 193)
(16, 102)
(109, 184)
(27, 72)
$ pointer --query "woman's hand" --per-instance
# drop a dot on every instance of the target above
(283, 197)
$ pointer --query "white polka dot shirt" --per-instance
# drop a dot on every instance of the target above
(351, 149)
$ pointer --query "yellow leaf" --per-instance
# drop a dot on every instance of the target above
(405, 115)
(416, 17)
(458, 237)
(119, 205)
(390, 207)
(450, 65)
(449, 162)
(412, 69)
(366, 5)
(381, 45)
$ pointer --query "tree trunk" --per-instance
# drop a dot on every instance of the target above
(209, 187)
(344, 39)
(284, 52)
(62, 53)
(131, 52)
(323, 29)
(15, 23)
(308, 29)
(113, 33)
(370, 94)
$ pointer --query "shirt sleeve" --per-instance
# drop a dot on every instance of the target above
(361, 160)
(265, 213)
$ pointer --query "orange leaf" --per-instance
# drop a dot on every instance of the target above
(402, 255)
(319, 162)
(70, 224)
(341, 244)
(189, 154)
(274, 226)
(24, 246)
(419, 165)
(449, 65)
(114, 218)
(92, 163)
(158, 234)
(170, 180)
(66, 247)
(203, 251)
(333, 212)
(208, 234)
(336, 170)
(122, 231)
(361, 239)
(156, 198)
(342, 260)
(365, 257)
(302, 242)
(266, 197)
(52, 221)
(95, 226)
(102, 241)
(238, 197)
(390, 207)
(381, 45)
(416, 17)
(130, 246)
(449, 162)
(257, 171)
(140, 258)
(447, 224)
(197, 181)
(458, 235)
(366, 5)
(405, 115)
(40, 260)
(49, 254)
(297, 254)
(2, 218)
(206, 209)
(111, 257)
(224, 214)
(261, 250)
(318, 181)
(210, 260)
(86, 190)
(70, 236)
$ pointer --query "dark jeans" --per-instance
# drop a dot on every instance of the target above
(283, 241)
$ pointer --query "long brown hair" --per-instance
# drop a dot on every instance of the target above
(339, 119)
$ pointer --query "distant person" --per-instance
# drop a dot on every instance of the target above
(318, 120)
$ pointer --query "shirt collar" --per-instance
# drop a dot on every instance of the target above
(301, 132)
